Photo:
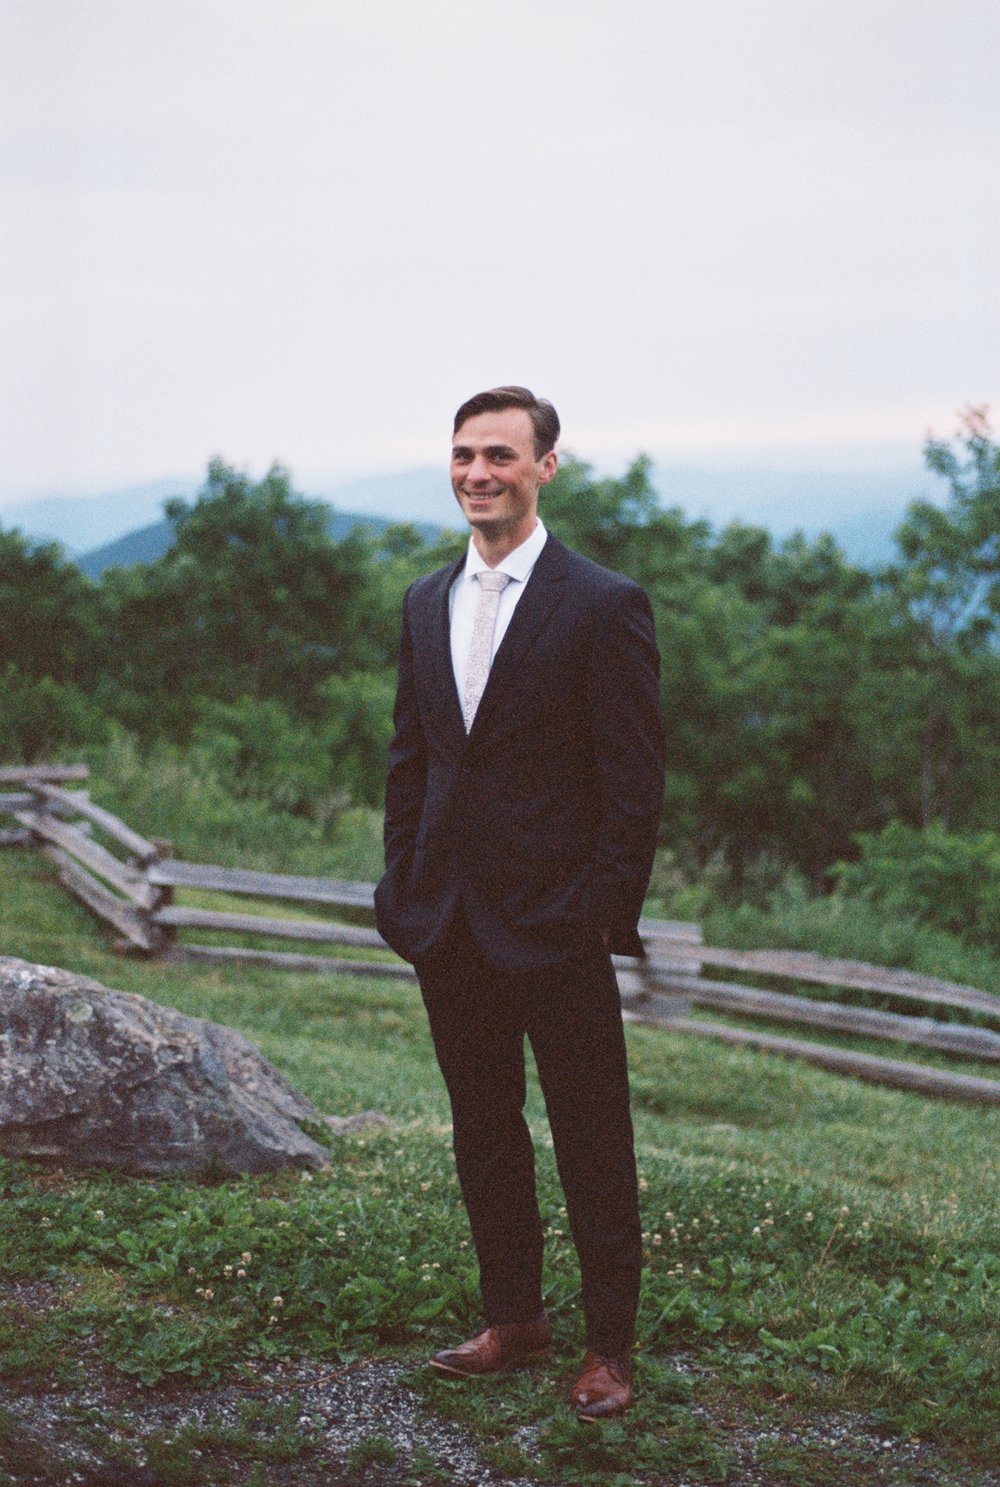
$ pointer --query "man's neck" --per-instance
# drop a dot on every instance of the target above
(493, 547)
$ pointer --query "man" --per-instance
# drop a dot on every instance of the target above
(523, 795)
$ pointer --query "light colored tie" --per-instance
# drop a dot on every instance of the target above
(481, 644)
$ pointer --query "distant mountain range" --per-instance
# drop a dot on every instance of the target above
(149, 543)
(860, 510)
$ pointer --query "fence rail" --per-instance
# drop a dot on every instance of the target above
(135, 896)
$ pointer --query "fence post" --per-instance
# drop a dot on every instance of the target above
(156, 897)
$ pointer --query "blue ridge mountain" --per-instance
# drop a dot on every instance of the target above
(150, 543)
(860, 509)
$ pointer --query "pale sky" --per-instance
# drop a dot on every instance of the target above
(305, 230)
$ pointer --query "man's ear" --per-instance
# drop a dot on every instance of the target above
(549, 463)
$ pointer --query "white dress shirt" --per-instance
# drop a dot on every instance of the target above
(465, 591)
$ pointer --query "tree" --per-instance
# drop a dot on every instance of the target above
(254, 599)
(947, 587)
(49, 611)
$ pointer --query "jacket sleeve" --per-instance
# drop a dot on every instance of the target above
(623, 700)
(406, 781)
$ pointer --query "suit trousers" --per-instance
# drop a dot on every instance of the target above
(571, 1014)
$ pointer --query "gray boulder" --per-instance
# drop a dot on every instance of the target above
(103, 1078)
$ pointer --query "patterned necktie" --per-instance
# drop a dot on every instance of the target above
(481, 645)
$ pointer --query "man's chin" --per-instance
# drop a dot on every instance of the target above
(485, 521)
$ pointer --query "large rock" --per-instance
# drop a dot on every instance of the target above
(103, 1078)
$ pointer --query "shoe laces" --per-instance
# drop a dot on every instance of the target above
(615, 1368)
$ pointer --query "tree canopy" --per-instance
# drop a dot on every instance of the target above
(806, 699)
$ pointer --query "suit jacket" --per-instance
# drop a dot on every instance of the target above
(541, 822)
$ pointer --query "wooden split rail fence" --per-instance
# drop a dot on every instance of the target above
(136, 895)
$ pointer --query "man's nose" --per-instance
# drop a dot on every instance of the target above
(479, 470)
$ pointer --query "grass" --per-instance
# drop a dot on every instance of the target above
(816, 1248)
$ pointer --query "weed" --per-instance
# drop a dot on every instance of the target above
(424, 1469)
(805, 1237)
(373, 1450)
(507, 1458)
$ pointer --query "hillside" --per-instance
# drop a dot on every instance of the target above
(860, 509)
(147, 544)
(818, 1304)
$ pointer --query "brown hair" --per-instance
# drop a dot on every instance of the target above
(544, 418)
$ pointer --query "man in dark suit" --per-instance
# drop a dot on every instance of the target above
(523, 795)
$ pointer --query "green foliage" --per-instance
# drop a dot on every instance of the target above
(254, 599)
(946, 585)
(951, 578)
(356, 729)
(947, 879)
(805, 700)
(41, 720)
(604, 519)
(263, 753)
(49, 611)
(179, 795)
(374, 1450)
(612, 1456)
(808, 1238)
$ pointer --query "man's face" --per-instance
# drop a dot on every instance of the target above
(495, 475)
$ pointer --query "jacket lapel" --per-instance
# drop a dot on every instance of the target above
(435, 643)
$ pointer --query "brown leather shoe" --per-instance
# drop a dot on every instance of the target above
(496, 1349)
(603, 1389)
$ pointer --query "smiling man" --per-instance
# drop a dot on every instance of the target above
(523, 796)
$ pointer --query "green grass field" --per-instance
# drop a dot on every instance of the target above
(818, 1249)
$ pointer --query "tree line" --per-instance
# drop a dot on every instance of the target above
(806, 699)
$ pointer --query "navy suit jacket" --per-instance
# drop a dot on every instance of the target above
(541, 822)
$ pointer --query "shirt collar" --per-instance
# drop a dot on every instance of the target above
(517, 564)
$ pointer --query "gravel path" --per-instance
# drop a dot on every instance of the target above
(110, 1431)
(93, 1436)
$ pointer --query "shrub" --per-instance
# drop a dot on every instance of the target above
(40, 718)
(947, 879)
(263, 753)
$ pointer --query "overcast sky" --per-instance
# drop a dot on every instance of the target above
(718, 230)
